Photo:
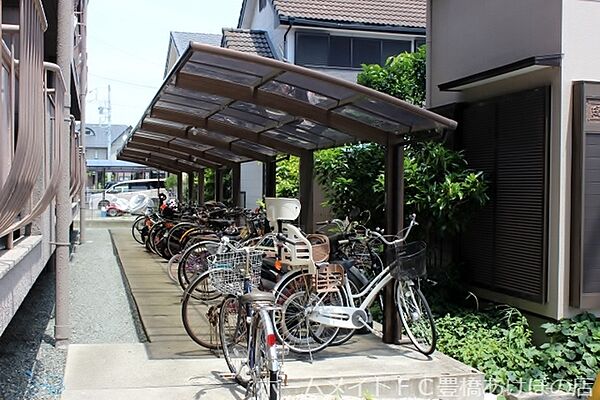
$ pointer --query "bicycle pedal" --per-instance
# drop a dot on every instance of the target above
(227, 376)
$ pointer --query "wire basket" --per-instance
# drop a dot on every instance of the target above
(227, 270)
(409, 260)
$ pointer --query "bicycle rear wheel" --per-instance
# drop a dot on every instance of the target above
(416, 316)
(199, 312)
(293, 327)
(265, 382)
(234, 338)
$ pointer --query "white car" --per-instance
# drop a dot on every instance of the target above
(126, 190)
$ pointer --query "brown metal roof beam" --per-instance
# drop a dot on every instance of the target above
(203, 155)
(284, 103)
(160, 148)
(148, 126)
(227, 129)
(181, 165)
(147, 162)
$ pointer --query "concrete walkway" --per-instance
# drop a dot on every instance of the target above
(171, 366)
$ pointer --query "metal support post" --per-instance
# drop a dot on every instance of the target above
(180, 186)
(190, 186)
(201, 187)
(236, 185)
(306, 191)
(394, 201)
(219, 185)
(269, 178)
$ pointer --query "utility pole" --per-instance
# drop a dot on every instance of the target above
(108, 120)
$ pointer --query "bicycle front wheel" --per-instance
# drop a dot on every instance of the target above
(234, 338)
(416, 316)
(199, 312)
(136, 229)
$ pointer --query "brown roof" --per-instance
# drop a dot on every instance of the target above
(247, 41)
(408, 13)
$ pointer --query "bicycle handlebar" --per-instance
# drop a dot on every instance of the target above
(379, 236)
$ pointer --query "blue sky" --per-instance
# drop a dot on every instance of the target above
(127, 48)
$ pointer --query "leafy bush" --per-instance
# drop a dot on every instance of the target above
(574, 348)
(288, 177)
(498, 343)
(402, 76)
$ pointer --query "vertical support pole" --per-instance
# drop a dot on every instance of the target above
(236, 185)
(270, 178)
(201, 187)
(82, 105)
(306, 191)
(394, 202)
(62, 328)
(180, 186)
(190, 186)
(218, 184)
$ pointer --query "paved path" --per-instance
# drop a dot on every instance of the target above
(171, 366)
(157, 298)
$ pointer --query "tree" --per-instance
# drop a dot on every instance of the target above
(439, 187)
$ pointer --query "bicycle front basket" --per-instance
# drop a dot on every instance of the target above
(226, 270)
(409, 260)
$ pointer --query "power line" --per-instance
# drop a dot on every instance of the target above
(124, 82)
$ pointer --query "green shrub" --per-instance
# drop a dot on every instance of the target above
(574, 348)
(498, 343)
(288, 177)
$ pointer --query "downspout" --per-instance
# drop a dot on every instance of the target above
(64, 50)
(428, 58)
(285, 48)
(82, 97)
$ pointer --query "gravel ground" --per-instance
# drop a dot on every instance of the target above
(30, 366)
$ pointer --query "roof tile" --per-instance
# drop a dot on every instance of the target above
(248, 41)
(183, 39)
(406, 13)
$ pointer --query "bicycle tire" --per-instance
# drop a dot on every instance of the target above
(294, 295)
(234, 339)
(172, 267)
(416, 316)
(173, 245)
(136, 229)
(344, 334)
(199, 308)
(193, 262)
(261, 387)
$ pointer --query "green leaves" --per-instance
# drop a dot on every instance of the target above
(498, 342)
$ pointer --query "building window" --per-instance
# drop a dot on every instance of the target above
(322, 49)
(262, 4)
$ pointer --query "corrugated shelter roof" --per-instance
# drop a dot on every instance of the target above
(219, 107)
(406, 13)
(97, 135)
(247, 41)
(183, 39)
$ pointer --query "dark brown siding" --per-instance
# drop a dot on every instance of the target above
(591, 241)
(505, 245)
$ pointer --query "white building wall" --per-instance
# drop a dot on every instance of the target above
(251, 182)
(470, 36)
(581, 61)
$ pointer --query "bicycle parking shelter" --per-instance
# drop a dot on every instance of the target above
(219, 108)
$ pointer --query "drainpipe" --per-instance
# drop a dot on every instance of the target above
(285, 48)
(64, 49)
(82, 99)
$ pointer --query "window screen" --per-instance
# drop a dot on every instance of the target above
(394, 47)
(312, 49)
(339, 51)
(366, 51)
(419, 42)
